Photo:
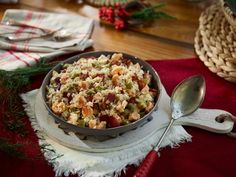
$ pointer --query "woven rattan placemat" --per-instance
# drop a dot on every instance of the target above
(215, 43)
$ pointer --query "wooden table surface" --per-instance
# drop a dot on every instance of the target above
(163, 39)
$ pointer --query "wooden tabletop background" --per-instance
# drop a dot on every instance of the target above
(163, 39)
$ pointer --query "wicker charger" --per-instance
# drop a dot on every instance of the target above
(215, 43)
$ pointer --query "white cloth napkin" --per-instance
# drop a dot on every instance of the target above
(93, 164)
(26, 53)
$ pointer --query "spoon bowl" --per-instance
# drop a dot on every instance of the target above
(187, 96)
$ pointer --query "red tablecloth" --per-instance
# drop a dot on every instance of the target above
(209, 154)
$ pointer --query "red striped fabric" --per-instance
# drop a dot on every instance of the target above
(18, 58)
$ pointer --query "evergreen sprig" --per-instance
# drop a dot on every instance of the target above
(11, 83)
(151, 13)
(10, 149)
(20, 77)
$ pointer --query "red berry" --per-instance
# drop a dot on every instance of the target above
(107, 14)
(119, 24)
(122, 13)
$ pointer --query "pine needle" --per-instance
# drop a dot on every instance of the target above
(21, 77)
(11, 83)
(150, 13)
(11, 149)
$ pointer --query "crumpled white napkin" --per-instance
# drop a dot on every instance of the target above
(26, 53)
(112, 162)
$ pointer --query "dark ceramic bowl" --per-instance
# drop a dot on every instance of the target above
(108, 131)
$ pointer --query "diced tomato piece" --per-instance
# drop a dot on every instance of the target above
(104, 118)
(100, 75)
(67, 95)
(89, 98)
(132, 100)
(141, 84)
(83, 76)
(135, 78)
(113, 122)
(111, 97)
(153, 92)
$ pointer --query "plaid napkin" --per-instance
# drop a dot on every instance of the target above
(26, 53)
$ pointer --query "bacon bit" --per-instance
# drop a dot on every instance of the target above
(153, 92)
(96, 106)
(135, 78)
(57, 80)
(103, 105)
(104, 118)
(126, 61)
(116, 62)
(58, 83)
(110, 120)
(89, 98)
(132, 100)
(87, 111)
(141, 84)
(110, 98)
(83, 76)
(100, 75)
(68, 96)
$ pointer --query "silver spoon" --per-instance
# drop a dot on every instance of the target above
(12, 22)
(49, 34)
(57, 35)
(185, 99)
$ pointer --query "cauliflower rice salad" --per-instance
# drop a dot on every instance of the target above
(103, 92)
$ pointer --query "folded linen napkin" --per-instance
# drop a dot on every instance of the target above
(26, 53)
(128, 148)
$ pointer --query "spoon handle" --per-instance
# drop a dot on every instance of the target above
(26, 24)
(17, 39)
(147, 164)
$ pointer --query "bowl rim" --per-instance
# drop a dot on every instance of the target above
(105, 131)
